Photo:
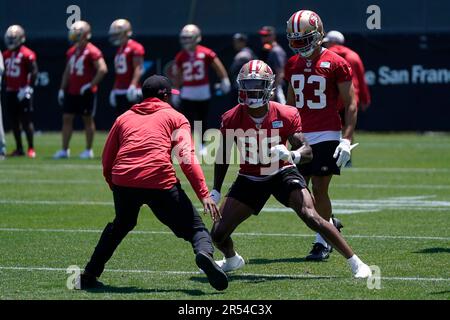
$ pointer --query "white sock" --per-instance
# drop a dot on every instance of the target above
(321, 240)
(354, 262)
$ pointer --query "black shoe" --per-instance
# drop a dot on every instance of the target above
(88, 281)
(318, 253)
(216, 277)
(337, 223)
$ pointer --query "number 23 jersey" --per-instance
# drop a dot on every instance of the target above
(315, 86)
(194, 67)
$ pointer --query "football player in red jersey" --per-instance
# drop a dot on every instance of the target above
(84, 70)
(191, 71)
(317, 79)
(128, 66)
(261, 128)
(20, 74)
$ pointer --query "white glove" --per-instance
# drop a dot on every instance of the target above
(176, 101)
(280, 95)
(132, 93)
(112, 99)
(281, 152)
(25, 93)
(85, 88)
(61, 97)
(216, 196)
(225, 85)
(343, 150)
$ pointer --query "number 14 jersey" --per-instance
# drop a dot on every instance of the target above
(315, 85)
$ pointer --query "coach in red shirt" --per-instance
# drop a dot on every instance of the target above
(137, 164)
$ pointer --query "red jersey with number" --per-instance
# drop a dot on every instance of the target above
(315, 85)
(255, 141)
(18, 66)
(194, 65)
(81, 67)
(124, 63)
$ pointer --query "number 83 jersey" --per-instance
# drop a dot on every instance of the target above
(315, 86)
(194, 67)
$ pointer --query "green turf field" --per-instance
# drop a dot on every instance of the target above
(394, 204)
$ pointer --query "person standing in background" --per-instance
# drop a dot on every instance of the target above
(244, 54)
(85, 69)
(128, 66)
(2, 131)
(21, 73)
(275, 57)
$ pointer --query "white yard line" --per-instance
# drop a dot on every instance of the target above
(261, 275)
(241, 234)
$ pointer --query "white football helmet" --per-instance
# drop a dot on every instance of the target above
(255, 84)
(304, 32)
(119, 32)
(190, 36)
(14, 37)
(80, 30)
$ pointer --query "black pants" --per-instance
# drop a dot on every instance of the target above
(21, 114)
(172, 207)
(196, 111)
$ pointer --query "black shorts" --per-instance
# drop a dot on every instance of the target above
(16, 108)
(83, 105)
(123, 105)
(196, 111)
(256, 193)
(323, 164)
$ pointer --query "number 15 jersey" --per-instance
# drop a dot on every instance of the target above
(315, 85)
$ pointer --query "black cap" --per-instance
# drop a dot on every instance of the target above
(240, 36)
(157, 86)
(267, 31)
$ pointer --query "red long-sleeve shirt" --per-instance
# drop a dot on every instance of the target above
(138, 150)
(362, 92)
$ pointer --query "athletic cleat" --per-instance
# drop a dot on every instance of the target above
(362, 272)
(87, 281)
(318, 253)
(87, 154)
(62, 154)
(16, 153)
(231, 264)
(216, 276)
(337, 223)
(31, 153)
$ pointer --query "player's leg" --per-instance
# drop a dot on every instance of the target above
(15, 112)
(89, 107)
(27, 125)
(67, 130)
(123, 104)
(2, 135)
(174, 209)
(127, 203)
(300, 200)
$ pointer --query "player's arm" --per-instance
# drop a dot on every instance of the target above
(178, 76)
(222, 163)
(138, 64)
(110, 151)
(65, 78)
(33, 72)
(347, 95)
(102, 70)
(290, 99)
(219, 68)
(301, 151)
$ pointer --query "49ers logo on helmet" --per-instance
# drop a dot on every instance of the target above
(313, 19)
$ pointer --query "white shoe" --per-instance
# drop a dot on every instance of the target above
(231, 264)
(363, 271)
(87, 154)
(62, 154)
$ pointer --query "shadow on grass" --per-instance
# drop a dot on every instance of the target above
(269, 261)
(134, 290)
(446, 292)
(255, 278)
(434, 250)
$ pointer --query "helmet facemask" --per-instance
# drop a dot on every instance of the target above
(306, 44)
(255, 93)
(188, 42)
(13, 42)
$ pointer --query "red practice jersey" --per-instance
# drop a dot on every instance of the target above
(18, 66)
(255, 141)
(362, 93)
(81, 67)
(194, 66)
(315, 85)
(123, 63)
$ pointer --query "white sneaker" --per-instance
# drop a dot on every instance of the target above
(231, 264)
(87, 154)
(362, 271)
(62, 154)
